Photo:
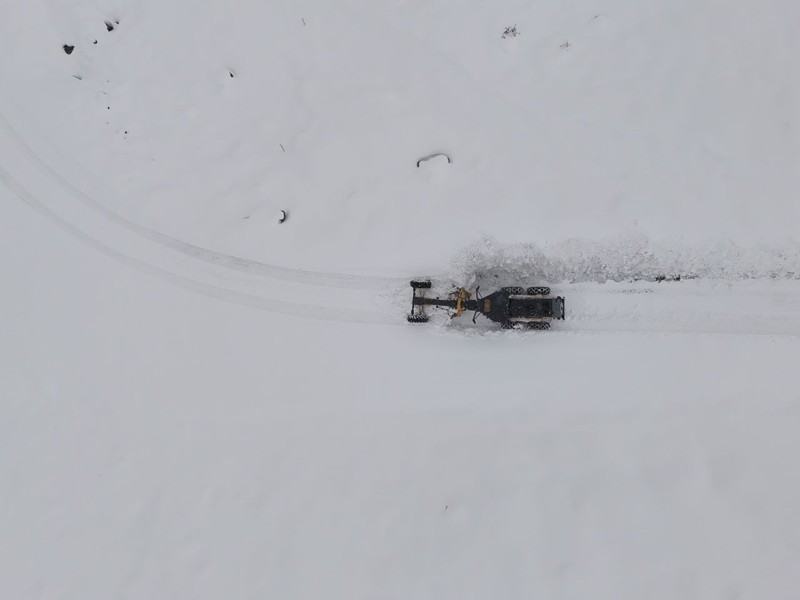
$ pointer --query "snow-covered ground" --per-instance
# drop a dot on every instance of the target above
(200, 402)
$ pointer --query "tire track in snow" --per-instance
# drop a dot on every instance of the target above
(233, 296)
(228, 261)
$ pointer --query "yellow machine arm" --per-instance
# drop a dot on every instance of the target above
(462, 296)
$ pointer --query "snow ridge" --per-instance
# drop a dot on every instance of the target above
(623, 258)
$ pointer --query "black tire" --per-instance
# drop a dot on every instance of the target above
(421, 285)
(539, 325)
(538, 291)
(418, 318)
(514, 291)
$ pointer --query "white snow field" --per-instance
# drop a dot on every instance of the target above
(197, 401)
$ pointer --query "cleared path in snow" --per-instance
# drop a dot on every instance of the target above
(726, 307)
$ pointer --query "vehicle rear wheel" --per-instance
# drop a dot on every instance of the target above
(538, 291)
(421, 285)
(514, 291)
(418, 318)
(539, 325)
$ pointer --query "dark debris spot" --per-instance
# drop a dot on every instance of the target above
(110, 25)
(510, 32)
(78, 77)
(94, 42)
(434, 155)
(68, 49)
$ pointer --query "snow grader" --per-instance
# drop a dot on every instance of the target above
(511, 307)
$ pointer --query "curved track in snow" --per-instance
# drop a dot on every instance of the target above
(337, 297)
(228, 261)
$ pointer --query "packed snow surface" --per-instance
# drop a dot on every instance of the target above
(201, 402)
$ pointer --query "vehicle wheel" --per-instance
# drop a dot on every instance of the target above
(539, 325)
(421, 285)
(507, 325)
(418, 318)
(538, 291)
(514, 291)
